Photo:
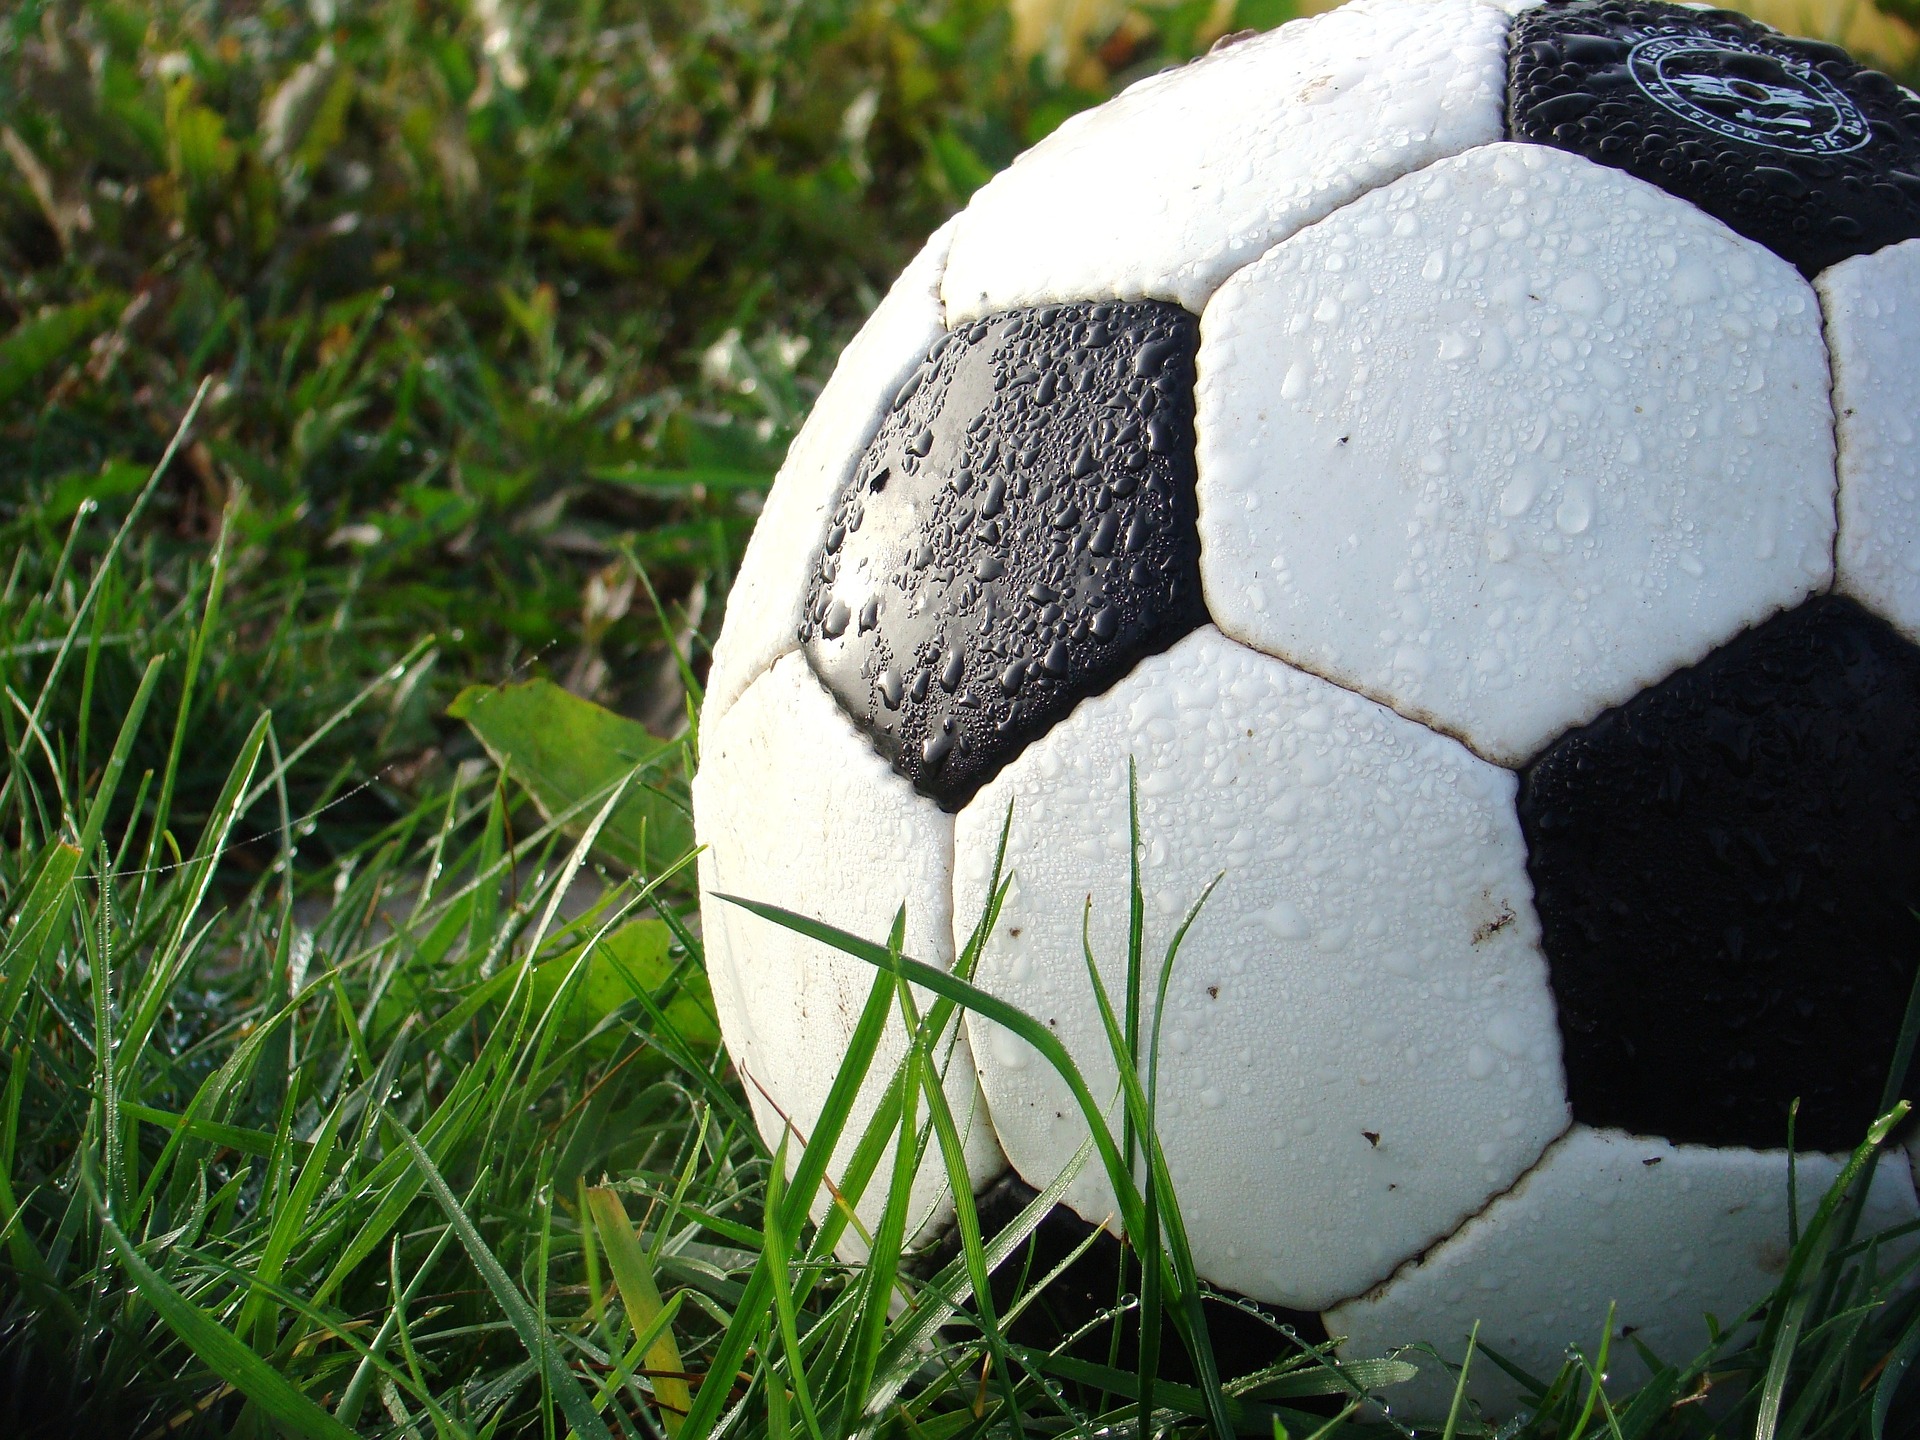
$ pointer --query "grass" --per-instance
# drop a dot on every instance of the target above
(343, 1087)
(403, 1142)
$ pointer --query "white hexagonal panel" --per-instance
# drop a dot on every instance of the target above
(1665, 1233)
(765, 607)
(795, 809)
(1873, 330)
(1506, 441)
(1360, 1044)
(1167, 189)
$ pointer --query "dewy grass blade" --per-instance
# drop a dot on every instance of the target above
(1175, 1254)
(1136, 942)
(354, 1397)
(104, 569)
(1457, 1406)
(1780, 1339)
(1894, 1367)
(443, 1425)
(775, 1263)
(222, 1353)
(106, 1080)
(972, 998)
(289, 1220)
(966, 1217)
(940, 1297)
(1896, 1079)
(876, 1281)
(573, 1401)
(942, 983)
(147, 1002)
(51, 897)
(40, 918)
(634, 1277)
(196, 658)
(941, 1018)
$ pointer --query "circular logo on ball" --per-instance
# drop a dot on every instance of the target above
(1758, 96)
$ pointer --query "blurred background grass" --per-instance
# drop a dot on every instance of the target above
(507, 306)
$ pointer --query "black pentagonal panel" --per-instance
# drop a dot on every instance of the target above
(1790, 142)
(1725, 869)
(1245, 1336)
(1019, 534)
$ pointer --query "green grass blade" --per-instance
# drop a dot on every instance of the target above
(573, 1401)
(103, 571)
(748, 1316)
(1780, 1340)
(775, 1263)
(41, 918)
(219, 1350)
(196, 660)
(634, 1276)
(977, 1001)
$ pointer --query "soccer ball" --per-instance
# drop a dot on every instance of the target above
(1463, 459)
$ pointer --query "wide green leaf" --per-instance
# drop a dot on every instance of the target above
(619, 966)
(570, 754)
(641, 1295)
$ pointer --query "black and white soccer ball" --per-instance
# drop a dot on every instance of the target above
(1464, 457)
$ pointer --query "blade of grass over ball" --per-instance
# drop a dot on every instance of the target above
(1832, 1266)
(573, 1402)
(1348, 1377)
(1895, 1366)
(941, 982)
(1781, 1335)
(1206, 1365)
(775, 1262)
(979, 1002)
(732, 1347)
(960, 1186)
(633, 1274)
(1175, 1254)
(874, 1286)
(1136, 941)
(1145, 1246)
(1245, 1416)
(940, 1296)
(880, 1130)
(1595, 1371)
(845, 1193)
(1896, 1079)
(941, 1018)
